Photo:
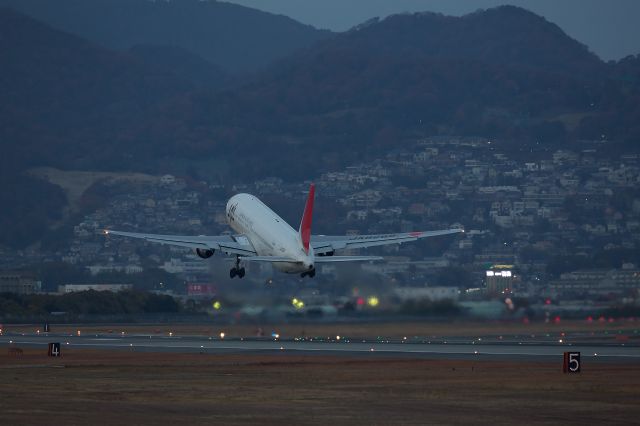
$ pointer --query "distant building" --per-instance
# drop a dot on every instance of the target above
(431, 293)
(201, 289)
(179, 266)
(73, 288)
(18, 282)
(167, 180)
(499, 280)
(127, 269)
(597, 282)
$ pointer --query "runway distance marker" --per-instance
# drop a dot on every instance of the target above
(54, 349)
(571, 362)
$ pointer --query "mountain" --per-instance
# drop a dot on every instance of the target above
(503, 73)
(176, 61)
(62, 94)
(65, 102)
(236, 38)
(505, 36)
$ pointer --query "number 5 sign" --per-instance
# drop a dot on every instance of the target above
(571, 362)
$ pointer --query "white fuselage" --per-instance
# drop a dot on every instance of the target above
(269, 234)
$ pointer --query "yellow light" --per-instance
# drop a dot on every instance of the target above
(222, 335)
(170, 334)
(217, 305)
(78, 332)
(337, 337)
(297, 303)
(373, 301)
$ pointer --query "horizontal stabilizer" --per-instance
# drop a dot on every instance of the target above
(329, 259)
(277, 259)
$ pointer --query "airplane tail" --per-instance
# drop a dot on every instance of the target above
(305, 224)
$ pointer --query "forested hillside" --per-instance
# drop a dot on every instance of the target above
(238, 39)
(504, 73)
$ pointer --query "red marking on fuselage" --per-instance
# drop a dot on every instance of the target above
(415, 234)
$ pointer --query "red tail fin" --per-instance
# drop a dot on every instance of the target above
(305, 224)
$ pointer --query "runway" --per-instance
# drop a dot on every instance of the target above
(510, 350)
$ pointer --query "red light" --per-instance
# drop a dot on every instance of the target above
(547, 302)
(611, 320)
(589, 318)
(556, 320)
(360, 301)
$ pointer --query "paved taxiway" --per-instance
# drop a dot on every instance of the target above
(346, 347)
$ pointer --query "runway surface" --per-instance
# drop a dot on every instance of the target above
(457, 349)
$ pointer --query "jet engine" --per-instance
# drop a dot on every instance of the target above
(205, 253)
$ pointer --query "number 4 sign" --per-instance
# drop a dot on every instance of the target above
(571, 362)
(54, 349)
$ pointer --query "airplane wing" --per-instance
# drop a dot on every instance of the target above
(323, 244)
(229, 244)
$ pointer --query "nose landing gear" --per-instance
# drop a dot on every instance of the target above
(237, 271)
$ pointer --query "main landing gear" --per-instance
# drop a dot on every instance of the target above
(237, 271)
(310, 274)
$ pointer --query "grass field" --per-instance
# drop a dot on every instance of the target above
(120, 387)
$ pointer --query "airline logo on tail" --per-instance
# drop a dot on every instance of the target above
(307, 216)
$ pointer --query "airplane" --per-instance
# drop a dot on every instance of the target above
(263, 236)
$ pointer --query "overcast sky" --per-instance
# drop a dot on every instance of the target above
(610, 28)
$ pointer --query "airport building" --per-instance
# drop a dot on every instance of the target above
(405, 294)
(73, 288)
(18, 282)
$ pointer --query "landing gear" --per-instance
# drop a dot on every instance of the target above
(237, 271)
(310, 274)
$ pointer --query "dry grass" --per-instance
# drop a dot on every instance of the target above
(148, 388)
